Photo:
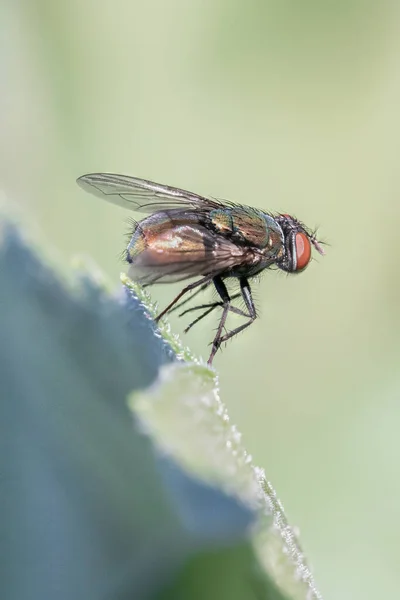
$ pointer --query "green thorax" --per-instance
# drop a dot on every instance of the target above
(247, 226)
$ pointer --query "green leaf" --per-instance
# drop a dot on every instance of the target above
(185, 415)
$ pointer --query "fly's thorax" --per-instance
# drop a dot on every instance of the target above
(246, 226)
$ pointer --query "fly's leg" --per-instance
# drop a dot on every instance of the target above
(198, 291)
(225, 303)
(189, 287)
(204, 314)
(233, 309)
(223, 292)
(247, 297)
(211, 305)
(210, 308)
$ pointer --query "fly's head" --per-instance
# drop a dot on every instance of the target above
(298, 242)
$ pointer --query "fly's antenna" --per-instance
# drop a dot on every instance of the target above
(317, 245)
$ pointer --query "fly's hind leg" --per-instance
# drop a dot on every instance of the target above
(209, 308)
(210, 305)
(189, 287)
(202, 288)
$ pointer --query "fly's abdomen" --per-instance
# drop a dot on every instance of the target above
(165, 248)
(163, 241)
(137, 245)
(159, 234)
(172, 246)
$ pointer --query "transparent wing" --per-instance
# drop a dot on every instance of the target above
(142, 195)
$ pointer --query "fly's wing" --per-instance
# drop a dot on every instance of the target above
(142, 195)
(180, 252)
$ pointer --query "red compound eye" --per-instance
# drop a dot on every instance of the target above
(303, 251)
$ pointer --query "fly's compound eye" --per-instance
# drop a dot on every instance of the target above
(298, 242)
(301, 251)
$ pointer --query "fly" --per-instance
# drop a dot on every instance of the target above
(187, 235)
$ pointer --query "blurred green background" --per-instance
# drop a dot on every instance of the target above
(287, 105)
